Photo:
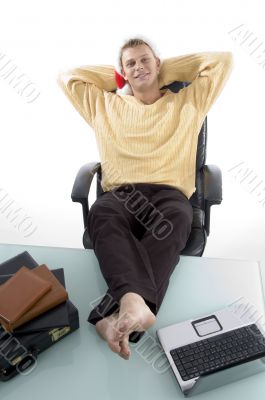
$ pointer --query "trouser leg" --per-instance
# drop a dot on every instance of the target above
(124, 263)
(168, 237)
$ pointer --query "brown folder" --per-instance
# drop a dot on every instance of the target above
(54, 297)
(20, 293)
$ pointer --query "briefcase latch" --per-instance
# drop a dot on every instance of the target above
(59, 332)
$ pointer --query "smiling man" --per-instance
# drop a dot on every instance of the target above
(140, 68)
(147, 142)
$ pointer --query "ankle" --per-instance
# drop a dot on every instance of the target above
(131, 296)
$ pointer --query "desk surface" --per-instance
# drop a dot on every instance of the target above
(81, 366)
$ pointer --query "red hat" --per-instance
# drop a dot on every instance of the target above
(122, 85)
(121, 82)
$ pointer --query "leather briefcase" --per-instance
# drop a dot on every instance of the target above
(19, 349)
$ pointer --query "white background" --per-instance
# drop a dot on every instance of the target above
(44, 143)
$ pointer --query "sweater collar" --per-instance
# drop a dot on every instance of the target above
(165, 92)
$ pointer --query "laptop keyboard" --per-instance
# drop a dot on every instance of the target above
(219, 352)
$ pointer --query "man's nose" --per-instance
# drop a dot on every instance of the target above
(139, 65)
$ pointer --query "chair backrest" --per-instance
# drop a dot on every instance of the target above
(197, 199)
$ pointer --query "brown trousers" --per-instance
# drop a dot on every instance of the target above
(138, 231)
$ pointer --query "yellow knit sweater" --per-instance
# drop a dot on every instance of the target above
(149, 143)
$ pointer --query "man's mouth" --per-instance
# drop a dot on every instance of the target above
(141, 76)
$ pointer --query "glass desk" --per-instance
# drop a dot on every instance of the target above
(81, 366)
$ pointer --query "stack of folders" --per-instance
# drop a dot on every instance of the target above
(35, 312)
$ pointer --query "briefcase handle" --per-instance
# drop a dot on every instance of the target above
(8, 373)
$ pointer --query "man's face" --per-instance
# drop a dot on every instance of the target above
(140, 67)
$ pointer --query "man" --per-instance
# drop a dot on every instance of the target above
(147, 142)
(140, 68)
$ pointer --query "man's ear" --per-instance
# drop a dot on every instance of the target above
(158, 62)
(123, 74)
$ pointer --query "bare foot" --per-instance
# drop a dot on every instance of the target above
(134, 313)
(113, 331)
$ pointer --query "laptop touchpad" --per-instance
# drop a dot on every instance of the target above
(206, 326)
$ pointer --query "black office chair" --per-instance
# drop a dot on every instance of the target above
(208, 191)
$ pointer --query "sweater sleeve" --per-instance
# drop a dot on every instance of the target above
(85, 85)
(207, 72)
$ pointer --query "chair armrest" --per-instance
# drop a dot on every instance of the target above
(212, 178)
(212, 181)
(82, 185)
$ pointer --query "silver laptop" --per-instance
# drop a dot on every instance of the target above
(220, 347)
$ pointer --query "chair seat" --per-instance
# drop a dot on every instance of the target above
(197, 240)
(86, 240)
(198, 218)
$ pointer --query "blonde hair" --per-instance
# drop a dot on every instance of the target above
(133, 43)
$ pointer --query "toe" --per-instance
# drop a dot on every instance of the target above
(125, 357)
(125, 349)
(115, 346)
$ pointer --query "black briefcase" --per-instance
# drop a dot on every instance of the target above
(19, 350)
